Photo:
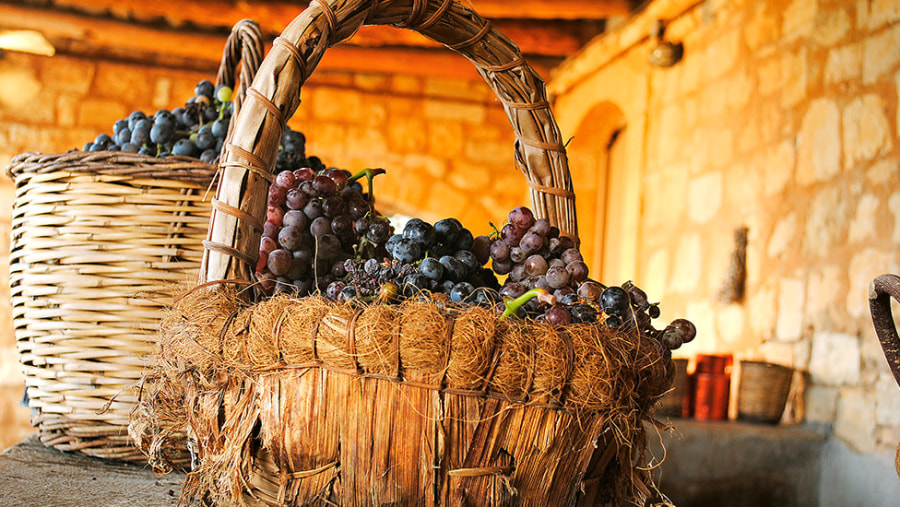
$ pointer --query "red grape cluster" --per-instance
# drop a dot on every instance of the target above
(314, 223)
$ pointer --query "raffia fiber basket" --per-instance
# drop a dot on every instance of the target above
(98, 239)
(763, 391)
(302, 401)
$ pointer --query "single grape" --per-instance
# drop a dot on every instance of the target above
(267, 245)
(615, 301)
(454, 269)
(420, 231)
(285, 180)
(349, 292)
(447, 230)
(522, 217)
(220, 128)
(461, 291)
(339, 177)
(224, 93)
(578, 271)
(517, 255)
(275, 215)
(342, 225)
(468, 260)
(531, 242)
(323, 186)
(205, 139)
(499, 251)
(303, 174)
(511, 234)
(279, 262)
(557, 316)
(571, 255)
(313, 209)
(502, 267)
(133, 148)
(184, 147)
(464, 241)
(276, 196)
(512, 290)
(328, 246)
(208, 156)
(432, 268)
(535, 265)
(295, 199)
(481, 247)
(320, 226)
(379, 231)
(295, 218)
(541, 227)
(590, 290)
(557, 277)
(407, 250)
(290, 237)
(205, 88)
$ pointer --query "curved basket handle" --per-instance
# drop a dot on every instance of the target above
(247, 162)
(881, 291)
(244, 46)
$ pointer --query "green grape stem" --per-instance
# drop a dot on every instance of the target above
(513, 305)
(370, 175)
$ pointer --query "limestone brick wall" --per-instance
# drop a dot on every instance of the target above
(446, 144)
(783, 117)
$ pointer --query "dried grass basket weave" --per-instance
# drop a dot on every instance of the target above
(98, 240)
(292, 401)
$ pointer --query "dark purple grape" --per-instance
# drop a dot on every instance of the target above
(454, 269)
(558, 316)
(407, 250)
(447, 230)
(531, 242)
(502, 267)
(468, 259)
(499, 251)
(349, 292)
(295, 218)
(285, 180)
(653, 311)
(333, 205)
(303, 174)
(328, 246)
(270, 230)
(357, 208)
(613, 322)
(539, 282)
(338, 176)
(461, 291)
(279, 262)
(313, 209)
(578, 271)
(512, 290)
(535, 265)
(342, 225)
(334, 289)
(298, 269)
(517, 255)
(391, 242)
(571, 255)
(320, 226)
(295, 199)
(590, 291)
(420, 231)
(379, 231)
(290, 238)
(276, 196)
(511, 234)
(481, 247)
(361, 226)
(541, 227)
(323, 186)
(522, 217)
(557, 277)
(638, 296)
(560, 245)
(432, 268)
(517, 273)
(583, 313)
(464, 240)
(685, 329)
(267, 244)
(615, 301)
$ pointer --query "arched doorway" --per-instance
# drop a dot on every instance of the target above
(597, 160)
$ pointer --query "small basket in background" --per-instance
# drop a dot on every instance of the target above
(763, 391)
(98, 240)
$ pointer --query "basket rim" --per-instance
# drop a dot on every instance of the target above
(111, 163)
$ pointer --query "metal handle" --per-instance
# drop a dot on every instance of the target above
(881, 291)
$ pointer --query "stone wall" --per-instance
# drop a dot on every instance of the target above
(446, 144)
(783, 117)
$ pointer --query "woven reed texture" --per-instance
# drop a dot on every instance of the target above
(275, 95)
(99, 240)
(763, 391)
(289, 405)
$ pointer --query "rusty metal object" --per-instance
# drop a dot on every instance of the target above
(881, 291)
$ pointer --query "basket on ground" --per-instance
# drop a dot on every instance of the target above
(98, 240)
(302, 401)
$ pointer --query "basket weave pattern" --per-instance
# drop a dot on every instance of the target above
(99, 240)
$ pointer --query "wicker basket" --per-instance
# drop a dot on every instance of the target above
(306, 402)
(763, 391)
(98, 239)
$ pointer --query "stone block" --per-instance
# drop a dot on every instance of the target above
(689, 264)
(654, 274)
(455, 111)
(126, 84)
(162, 93)
(67, 110)
(336, 104)
(778, 167)
(496, 153)
(406, 84)
(791, 303)
(832, 26)
(407, 136)
(862, 227)
(864, 266)
(705, 197)
(855, 421)
(448, 138)
(21, 87)
(827, 220)
(475, 178)
(819, 143)
(373, 82)
(894, 207)
(100, 113)
(794, 77)
(798, 20)
(866, 132)
(730, 320)
(783, 236)
(887, 400)
(835, 359)
(844, 64)
(761, 304)
(720, 56)
(881, 172)
(761, 27)
(880, 54)
(822, 301)
(71, 75)
(821, 404)
(883, 12)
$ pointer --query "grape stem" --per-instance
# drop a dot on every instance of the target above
(370, 175)
(513, 305)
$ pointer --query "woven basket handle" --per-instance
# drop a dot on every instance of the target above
(240, 205)
(244, 46)
(882, 290)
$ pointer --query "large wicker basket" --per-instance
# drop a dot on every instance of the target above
(301, 401)
(98, 240)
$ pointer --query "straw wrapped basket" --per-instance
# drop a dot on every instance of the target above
(98, 238)
(303, 401)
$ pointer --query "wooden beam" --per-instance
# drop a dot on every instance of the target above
(559, 38)
(106, 39)
(281, 11)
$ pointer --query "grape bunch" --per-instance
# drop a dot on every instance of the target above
(315, 222)
(447, 259)
(628, 305)
(196, 130)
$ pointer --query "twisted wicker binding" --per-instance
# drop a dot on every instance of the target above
(305, 402)
(98, 240)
